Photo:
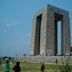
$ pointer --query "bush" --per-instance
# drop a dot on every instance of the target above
(66, 67)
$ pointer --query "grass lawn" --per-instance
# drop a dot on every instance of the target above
(31, 67)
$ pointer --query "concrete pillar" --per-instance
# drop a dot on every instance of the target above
(43, 33)
(50, 33)
(66, 35)
(33, 36)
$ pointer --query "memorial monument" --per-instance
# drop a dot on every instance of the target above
(44, 31)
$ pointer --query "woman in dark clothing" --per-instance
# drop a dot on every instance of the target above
(17, 68)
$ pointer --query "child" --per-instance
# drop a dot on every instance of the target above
(17, 68)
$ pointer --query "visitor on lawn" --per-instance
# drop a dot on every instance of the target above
(7, 66)
(17, 68)
(42, 67)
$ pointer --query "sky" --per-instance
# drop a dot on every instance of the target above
(16, 23)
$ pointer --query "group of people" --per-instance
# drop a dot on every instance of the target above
(17, 67)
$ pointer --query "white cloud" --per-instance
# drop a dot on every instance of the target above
(10, 25)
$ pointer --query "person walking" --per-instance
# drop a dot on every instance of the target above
(7, 66)
(17, 68)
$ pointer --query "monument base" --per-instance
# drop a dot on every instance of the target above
(45, 59)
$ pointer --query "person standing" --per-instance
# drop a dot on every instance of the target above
(42, 67)
(7, 66)
(17, 68)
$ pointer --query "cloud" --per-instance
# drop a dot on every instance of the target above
(10, 25)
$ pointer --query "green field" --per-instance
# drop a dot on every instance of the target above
(31, 67)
